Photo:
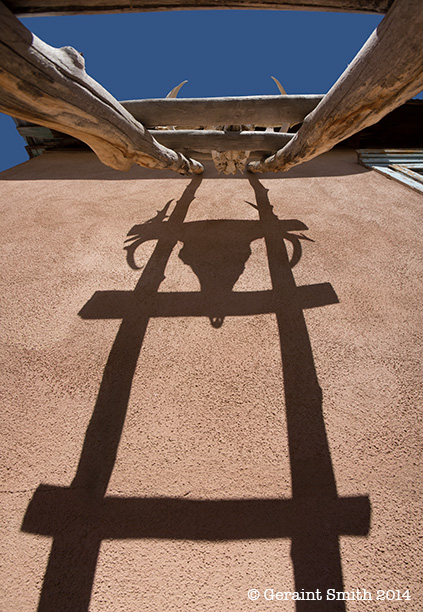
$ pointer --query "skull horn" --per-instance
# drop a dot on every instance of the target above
(285, 126)
(279, 86)
(174, 92)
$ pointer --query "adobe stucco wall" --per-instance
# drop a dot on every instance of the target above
(209, 412)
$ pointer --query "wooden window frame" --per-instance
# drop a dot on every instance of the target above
(398, 164)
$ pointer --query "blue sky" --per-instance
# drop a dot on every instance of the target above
(221, 53)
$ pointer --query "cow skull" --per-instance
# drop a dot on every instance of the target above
(229, 162)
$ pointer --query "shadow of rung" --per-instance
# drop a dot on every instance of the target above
(54, 511)
(120, 304)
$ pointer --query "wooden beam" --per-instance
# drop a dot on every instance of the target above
(50, 87)
(75, 7)
(387, 72)
(205, 140)
(192, 113)
(216, 140)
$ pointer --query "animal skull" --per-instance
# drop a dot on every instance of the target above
(229, 162)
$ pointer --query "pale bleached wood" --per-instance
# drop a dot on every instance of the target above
(217, 140)
(74, 7)
(192, 113)
(182, 140)
(386, 73)
(50, 87)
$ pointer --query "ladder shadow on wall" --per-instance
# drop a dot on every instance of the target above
(80, 517)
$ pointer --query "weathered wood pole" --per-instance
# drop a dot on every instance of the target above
(50, 87)
(192, 113)
(219, 140)
(74, 7)
(386, 72)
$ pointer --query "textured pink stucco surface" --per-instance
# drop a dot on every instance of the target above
(205, 413)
